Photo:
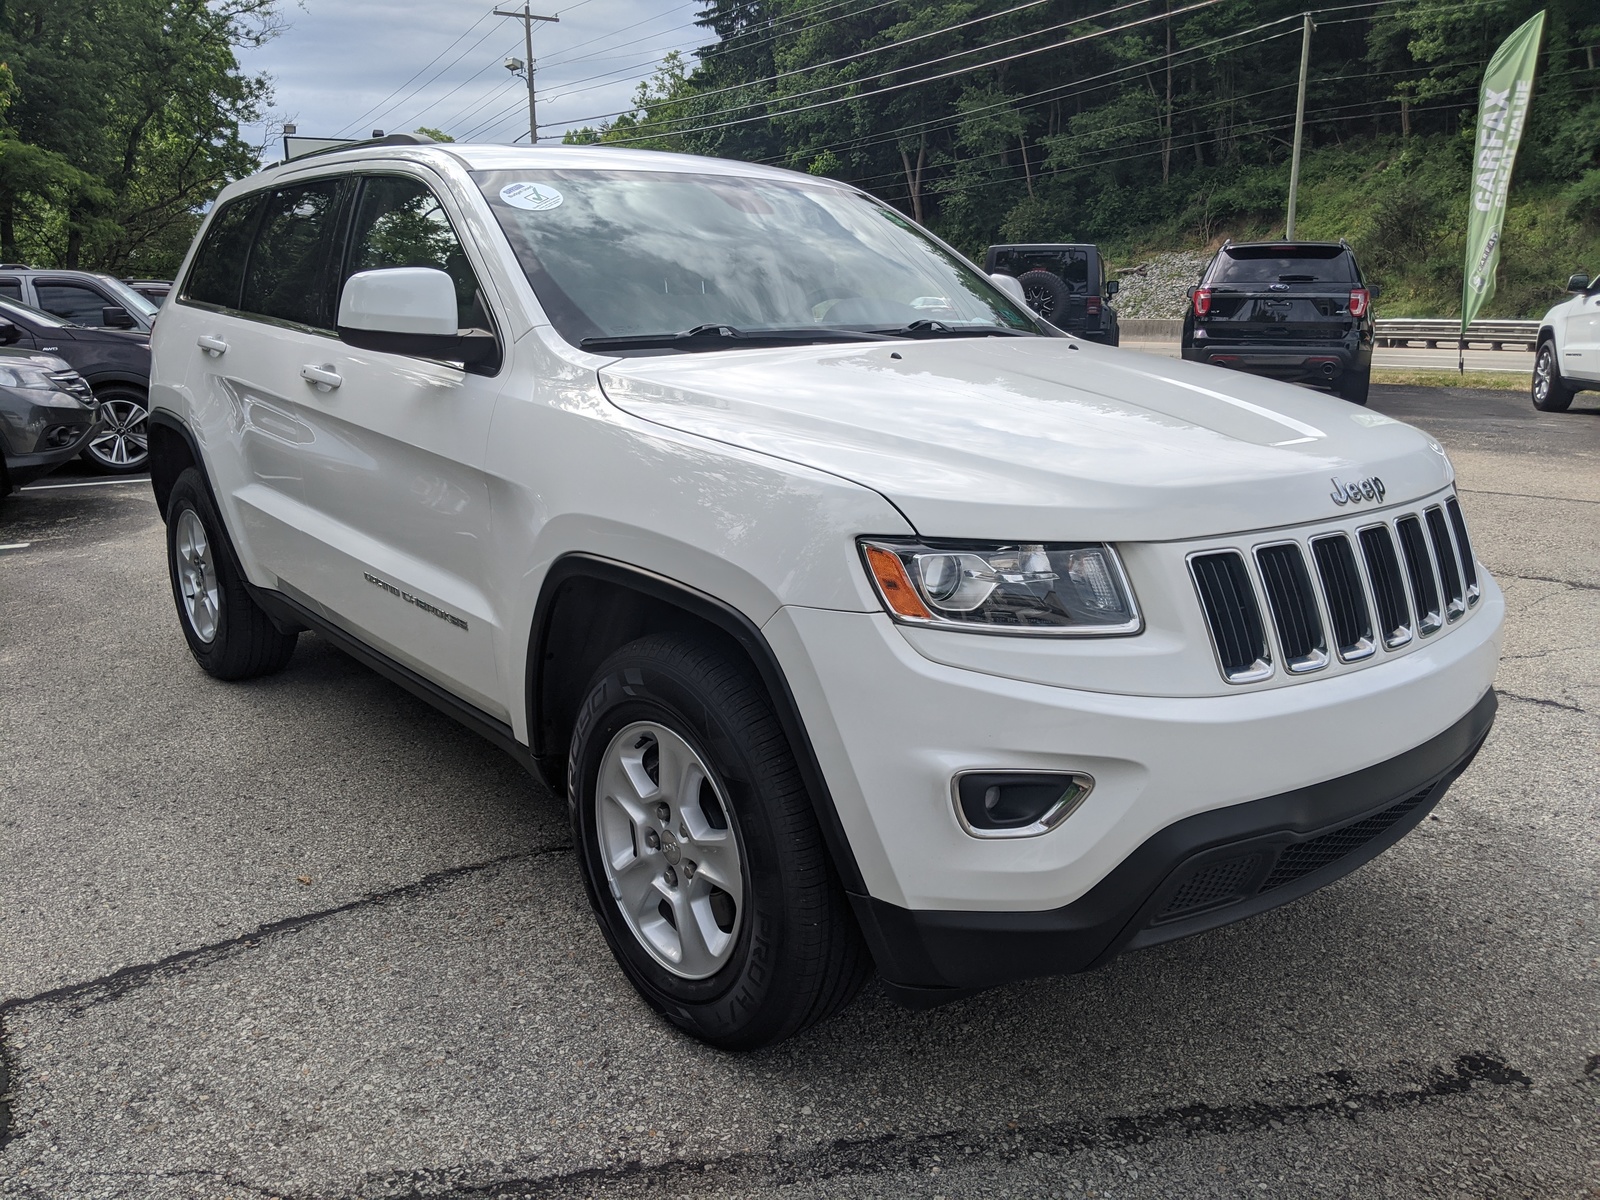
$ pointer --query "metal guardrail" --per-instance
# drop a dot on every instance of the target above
(1497, 335)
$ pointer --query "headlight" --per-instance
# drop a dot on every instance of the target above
(44, 382)
(1056, 588)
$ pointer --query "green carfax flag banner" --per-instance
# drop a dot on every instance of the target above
(1502, 112)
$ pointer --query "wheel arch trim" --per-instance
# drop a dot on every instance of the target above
(727, 619)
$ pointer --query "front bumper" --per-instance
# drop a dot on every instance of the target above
(39, 438)
(1207, 870)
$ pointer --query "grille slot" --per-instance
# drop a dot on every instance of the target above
(1211, 886)
(1424, 587)
(1347, 602)
(1455, 594)
(1469, 568)
(1229, 602)
(1299, 861)
(1294, 607)
(1388, 588)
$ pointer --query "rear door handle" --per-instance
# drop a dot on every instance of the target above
(325, 378)
(212, 346)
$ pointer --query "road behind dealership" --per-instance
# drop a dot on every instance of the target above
(306, 938)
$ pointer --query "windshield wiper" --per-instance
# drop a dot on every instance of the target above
(711, 337)
(929, 328)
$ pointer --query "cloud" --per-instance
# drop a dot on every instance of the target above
(346, 67)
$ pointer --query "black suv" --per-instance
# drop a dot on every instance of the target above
(1298, 311)
(1065, 283)
(116, 363)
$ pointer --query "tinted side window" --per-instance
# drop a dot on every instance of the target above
(218, 271)
(294, 262)
(11, 289)
(400, 223)
(72, 302)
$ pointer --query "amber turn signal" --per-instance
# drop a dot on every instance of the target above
(895, 585)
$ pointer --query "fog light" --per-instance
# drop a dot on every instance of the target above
(994, 804)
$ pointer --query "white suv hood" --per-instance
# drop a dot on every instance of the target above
(1038, 438)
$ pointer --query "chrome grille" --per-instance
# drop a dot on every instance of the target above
(1347, 601)
(71, 381)
(1229, 600)
(1294, 607)
(1419, 570)
(1412, 574)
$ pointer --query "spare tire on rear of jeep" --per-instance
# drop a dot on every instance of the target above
(1045, 293)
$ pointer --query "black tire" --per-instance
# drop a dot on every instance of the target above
(1355, 385)
(244, 643)
(796, 955)
(1550, 391)
(123, 444)
(1045, 293)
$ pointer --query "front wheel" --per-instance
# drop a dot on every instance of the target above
(228, 634)
(700, 850)
(1550, 391)
(123, 444)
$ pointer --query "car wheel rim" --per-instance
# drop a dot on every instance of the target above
(1541, 375)
(670, 849)
(1040, 301)
(197, 576)
(124, 440)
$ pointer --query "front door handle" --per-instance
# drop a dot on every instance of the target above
(325, 378)
(215, 347)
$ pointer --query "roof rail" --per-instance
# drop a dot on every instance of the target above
(393, 139)
(15, 267)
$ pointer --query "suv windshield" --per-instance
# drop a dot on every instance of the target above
(621, 254)
(128, 298)
(1283, 264)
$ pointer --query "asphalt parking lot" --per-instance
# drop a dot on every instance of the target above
(306, 938)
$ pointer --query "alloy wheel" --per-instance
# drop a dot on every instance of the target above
(123, 443)
(1543, 370)
(670, 848)
(197, 576)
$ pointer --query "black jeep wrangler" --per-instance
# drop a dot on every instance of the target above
(1298, 311)
(1064, 283)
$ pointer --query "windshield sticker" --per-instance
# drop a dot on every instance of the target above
(535, 197)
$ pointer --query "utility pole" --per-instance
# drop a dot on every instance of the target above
(527, 17)
(1299, 127)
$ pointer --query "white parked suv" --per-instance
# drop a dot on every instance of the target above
(863, 620)
(1568, 357)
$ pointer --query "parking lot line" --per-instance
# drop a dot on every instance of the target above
(83, 483)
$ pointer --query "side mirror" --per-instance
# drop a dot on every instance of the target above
(114, 316)
(10, 335)
(410, 310)
(1010, 286)
(1578, 283)
(1192, 291)
(1113, 286)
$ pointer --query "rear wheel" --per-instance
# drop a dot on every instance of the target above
(1550, 391)
(700, 851)
(1355, 385)
(123, 444)
(228, 634)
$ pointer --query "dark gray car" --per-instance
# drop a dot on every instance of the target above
(47, 415)
(116, 363)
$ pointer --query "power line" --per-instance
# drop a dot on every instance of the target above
(359, 121)
(912, 66)
(895, 87)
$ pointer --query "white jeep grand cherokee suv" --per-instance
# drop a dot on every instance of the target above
(864, 620)
(1568, 357)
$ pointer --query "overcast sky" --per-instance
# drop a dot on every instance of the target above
(346, 67)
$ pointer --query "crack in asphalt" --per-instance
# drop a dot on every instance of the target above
(1343, 1099)
(125, 979)
(1527, 496)
(1571, 583)
(1541, 701)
